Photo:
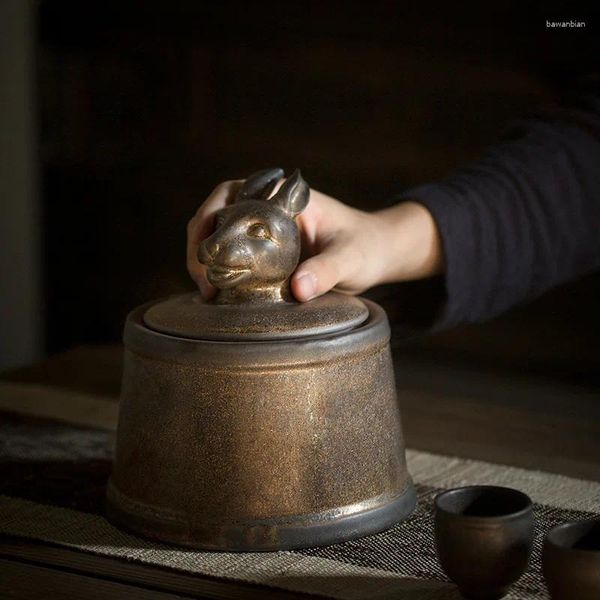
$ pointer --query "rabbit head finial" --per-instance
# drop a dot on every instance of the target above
(256, 243)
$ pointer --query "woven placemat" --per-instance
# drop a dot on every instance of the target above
(52, 479)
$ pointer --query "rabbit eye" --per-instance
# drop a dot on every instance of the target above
(258, 230)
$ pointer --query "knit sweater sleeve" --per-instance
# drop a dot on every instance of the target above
(523, 219)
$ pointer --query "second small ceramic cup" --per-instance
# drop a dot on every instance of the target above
(572, 560)
(484, 536)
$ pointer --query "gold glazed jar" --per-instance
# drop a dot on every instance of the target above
(252, 422)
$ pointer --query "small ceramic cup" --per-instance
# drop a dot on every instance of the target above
(483, 536)
(571, 560)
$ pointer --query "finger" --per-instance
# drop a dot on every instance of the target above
(320, 273)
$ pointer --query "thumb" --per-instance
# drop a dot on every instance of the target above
(318, 274)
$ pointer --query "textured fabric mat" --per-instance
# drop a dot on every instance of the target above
(52, 479)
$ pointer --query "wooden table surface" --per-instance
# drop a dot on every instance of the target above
(498, 417)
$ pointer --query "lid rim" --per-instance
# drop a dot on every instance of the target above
(188, 316)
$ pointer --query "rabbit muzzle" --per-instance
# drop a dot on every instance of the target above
(223, 269)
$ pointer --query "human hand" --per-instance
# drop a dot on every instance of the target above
(346, 248)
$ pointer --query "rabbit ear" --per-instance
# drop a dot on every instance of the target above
(259, 185)
(293, 195)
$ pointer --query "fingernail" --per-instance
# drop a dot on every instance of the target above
(307, 285)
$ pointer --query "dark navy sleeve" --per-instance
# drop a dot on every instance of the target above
(523, 219)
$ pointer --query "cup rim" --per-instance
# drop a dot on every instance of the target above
(484, 518)
(550, 537)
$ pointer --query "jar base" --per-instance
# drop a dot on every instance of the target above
(264, 535)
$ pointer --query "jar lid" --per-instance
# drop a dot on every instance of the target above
(188, 316)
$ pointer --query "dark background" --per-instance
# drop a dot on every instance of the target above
(145, 106)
